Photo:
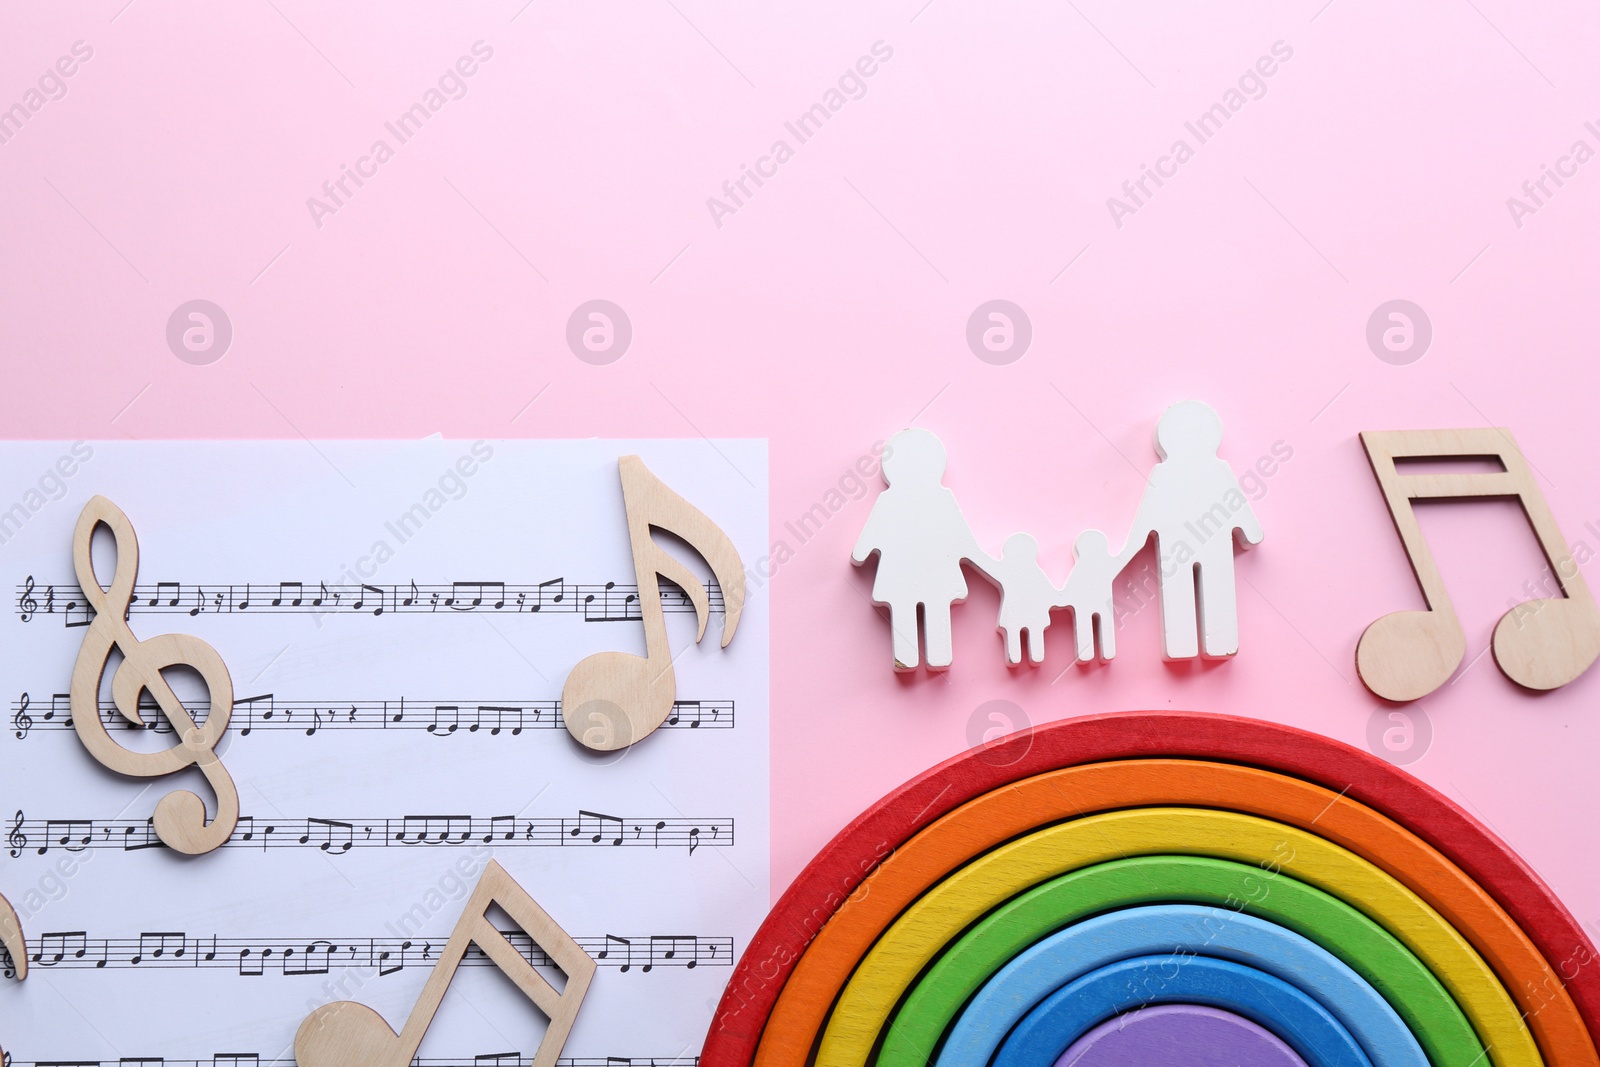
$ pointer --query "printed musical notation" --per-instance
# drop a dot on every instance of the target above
(604, 602)
(298, 957)
(247, 924)
(439, 718)
(338, 836)
(251, 1059)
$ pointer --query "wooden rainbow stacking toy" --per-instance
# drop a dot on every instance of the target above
(1164, 888)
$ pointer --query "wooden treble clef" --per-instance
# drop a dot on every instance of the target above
(180, 816)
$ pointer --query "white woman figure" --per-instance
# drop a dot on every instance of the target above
(921, 539)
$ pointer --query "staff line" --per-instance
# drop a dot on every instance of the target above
(440, 718)
(299, 957)
(596, 602)
(335, 837)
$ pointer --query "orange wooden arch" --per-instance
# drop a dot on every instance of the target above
(991, 819)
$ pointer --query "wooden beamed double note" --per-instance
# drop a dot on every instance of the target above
(180, 816)
(1539, 644)
(614, 699)
(348, 1034)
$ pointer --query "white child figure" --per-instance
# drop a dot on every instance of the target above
(1026, 597)
(1196, 510)
(1088, 594)
(921, 539)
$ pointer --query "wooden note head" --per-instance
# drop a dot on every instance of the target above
(347, 1034)
(1544, 644)
(1406, 655)
(612, 699)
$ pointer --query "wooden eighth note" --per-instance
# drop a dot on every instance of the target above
(347, 1034)
(1539, 644)
(180, 816)
(11, 938)
(613, 699)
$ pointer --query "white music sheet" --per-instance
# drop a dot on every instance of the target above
(398, 619)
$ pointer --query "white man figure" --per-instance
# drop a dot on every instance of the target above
(1197, 512)
(921, 539)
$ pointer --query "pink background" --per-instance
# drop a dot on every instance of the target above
(830, 310)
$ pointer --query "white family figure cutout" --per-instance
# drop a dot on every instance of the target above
(1193, 506)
